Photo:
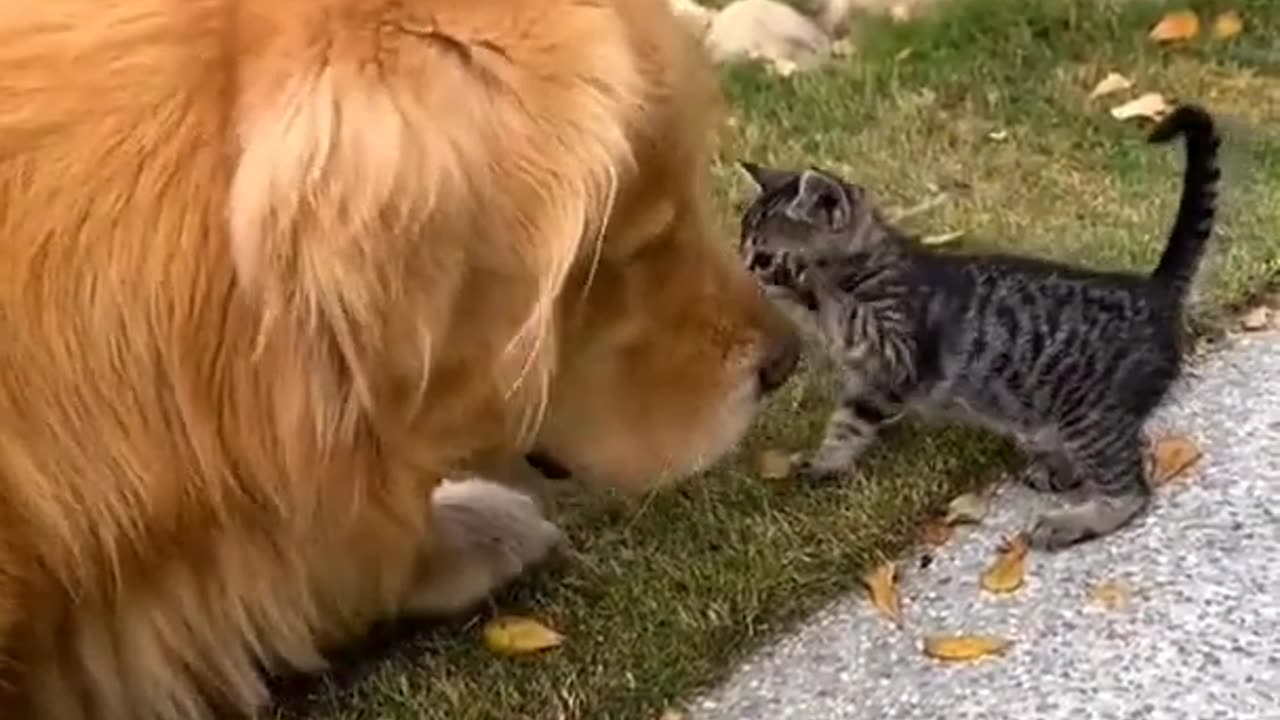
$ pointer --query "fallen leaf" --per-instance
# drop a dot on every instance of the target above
(1258, 318)
(942, 238)
(936, 531)
(882, 585)
(968, 508)
(1227, 25)
(963, 647)
(773, 464)
(1171, 456)
(1113, 82)
(1150, 105)
(510, 635)
(1177, 25)
(1111, 594)
(1007, 572)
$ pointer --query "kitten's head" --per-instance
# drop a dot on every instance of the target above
(799, 216)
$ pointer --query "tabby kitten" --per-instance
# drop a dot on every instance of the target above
(1068, 361)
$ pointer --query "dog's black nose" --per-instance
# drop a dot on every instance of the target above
(547, 465)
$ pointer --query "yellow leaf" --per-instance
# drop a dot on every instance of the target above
(1172, 455)
(1178, 25)
(1150, 105)
(1227, 25)
(936, 532)
(963, 647)
(1113, 82)
(510, 635)
(967, 508)
(881, 584)
(1009, 569)
(773, 464)
(1111, 594)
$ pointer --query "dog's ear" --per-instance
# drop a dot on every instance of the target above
(321, 175)
(821, 201)
(765, 178)
(327, 186)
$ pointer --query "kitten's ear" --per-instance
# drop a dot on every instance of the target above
(821, 201)
(765, 178)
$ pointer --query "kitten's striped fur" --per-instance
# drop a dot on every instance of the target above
(1069, 361)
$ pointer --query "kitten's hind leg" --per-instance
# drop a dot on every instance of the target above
(850, 431)
(1112, 463)
(1049, 471)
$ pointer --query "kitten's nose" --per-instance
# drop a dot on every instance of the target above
(781, 362)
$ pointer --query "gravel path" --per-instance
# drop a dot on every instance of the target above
(1199, 637)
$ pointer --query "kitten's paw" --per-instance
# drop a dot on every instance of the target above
(1094, 518)
(1059, 530)
(486, 535)
(811, 470)
(1048, 475)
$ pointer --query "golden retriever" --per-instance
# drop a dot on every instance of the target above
(271, 269)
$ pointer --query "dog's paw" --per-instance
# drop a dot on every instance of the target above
(485, 536)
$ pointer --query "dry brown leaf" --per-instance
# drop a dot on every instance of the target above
(1227, 25)
(882, 586)
(1177, 25)
(966, 508)
(963, 647)
(1009, 569)
(1150, 105)
(1113, 82)
(936, 531)
(1258, 318)
(773, 464)
(1171, 456)
(1111, 594)
(510, 635)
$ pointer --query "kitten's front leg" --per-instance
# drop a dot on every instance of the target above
(850, 431)
(792, 305)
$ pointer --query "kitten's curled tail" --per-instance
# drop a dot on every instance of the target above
(1194, 222)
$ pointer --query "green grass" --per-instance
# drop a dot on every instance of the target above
(664, 593)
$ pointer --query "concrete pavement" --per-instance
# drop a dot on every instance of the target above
(1198, 639)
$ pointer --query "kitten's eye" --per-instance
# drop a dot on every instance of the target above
(761, 261)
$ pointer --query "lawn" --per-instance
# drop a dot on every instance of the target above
(986, 101)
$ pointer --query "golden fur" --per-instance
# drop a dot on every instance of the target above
(270, 270)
